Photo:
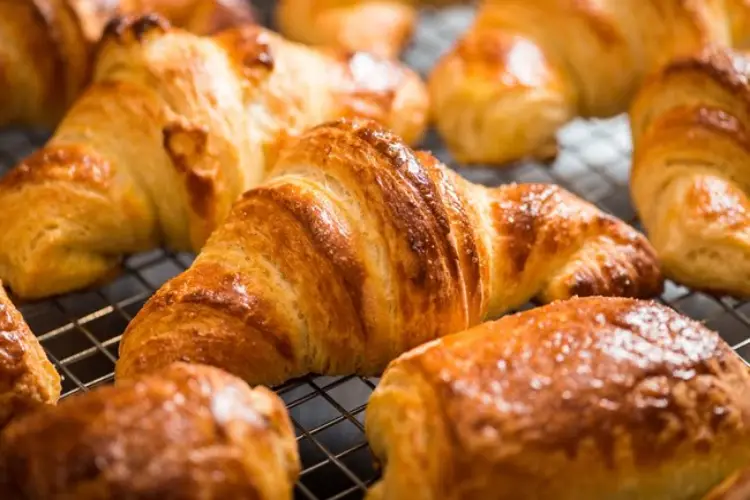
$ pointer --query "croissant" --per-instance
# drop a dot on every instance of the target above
(357, 249)
(186, 432)
(583, 399)
(381, 27)
(173, 130)
(27, 378)
(526, 68)
(47, 48)
(691, 138)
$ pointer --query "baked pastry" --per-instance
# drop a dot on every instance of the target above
(689, 181)
(583, 399)
(47, 47)
(356, 249)
(526, 68)
(186, 432)
(27, 378)
(173, 130)
(381, 27)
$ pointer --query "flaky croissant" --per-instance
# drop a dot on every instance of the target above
(690, 179)
(527, 67)
(356, 249)
(173, 130)
(47, 47)
(187, 432)
(583, 399)
(27, 378)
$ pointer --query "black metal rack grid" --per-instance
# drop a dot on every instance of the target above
(81, 331)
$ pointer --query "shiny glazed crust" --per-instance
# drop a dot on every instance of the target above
(582, 399)
(173, 130)
(525, 68)
(47, 47)
(356, 249)
(27, 378)
(186, 432)
(690, 177)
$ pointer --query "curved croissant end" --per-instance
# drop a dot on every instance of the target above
(690, 179)
(526, 68)
(47, 48)
(356, 249)
(27, 378)
(184, 125)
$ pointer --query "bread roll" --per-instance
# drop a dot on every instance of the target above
(187, 432)
(585, 399)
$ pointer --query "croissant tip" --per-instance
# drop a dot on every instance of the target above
(138, 26)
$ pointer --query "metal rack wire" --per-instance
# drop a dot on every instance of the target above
(81, 331)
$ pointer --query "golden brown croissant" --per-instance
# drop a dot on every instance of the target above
(583, 399)
(47, 47)
(527, 67)
(689, 185)
(382, 27)
(173, 130)
(355, 250)
(27, 378)
(186, 432)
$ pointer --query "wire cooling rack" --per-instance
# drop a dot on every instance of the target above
(81, 331)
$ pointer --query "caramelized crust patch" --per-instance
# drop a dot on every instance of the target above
(187, 147)
(12, 349)
(250, 49)
(61, 163)
(522, 215)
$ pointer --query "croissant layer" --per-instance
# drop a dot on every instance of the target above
(690, 180)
